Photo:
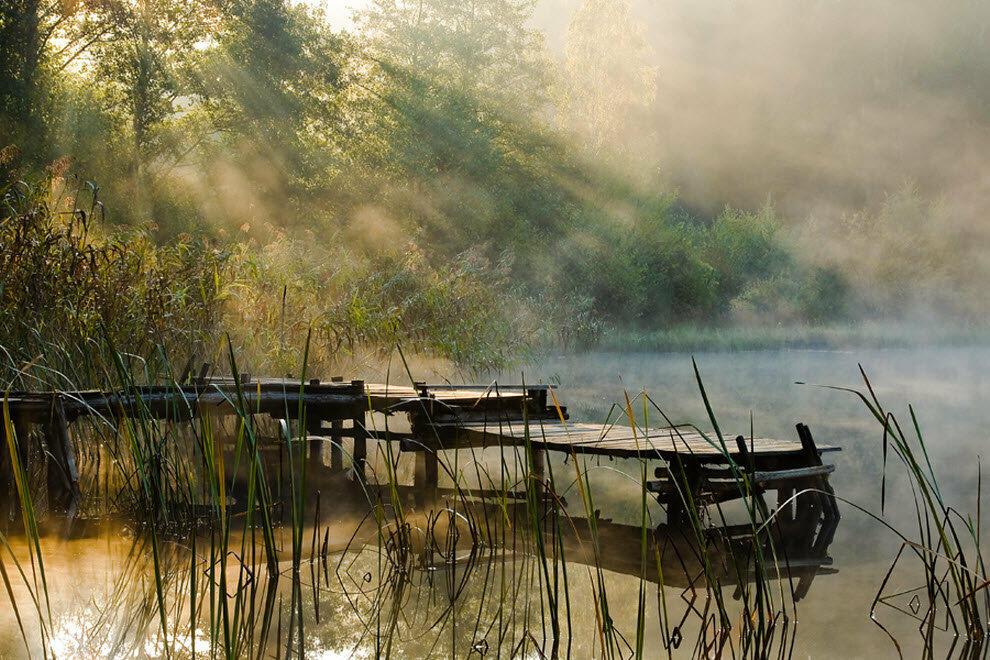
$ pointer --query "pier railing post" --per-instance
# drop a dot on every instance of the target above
(336, 451)
(314, 429)
(360, 455)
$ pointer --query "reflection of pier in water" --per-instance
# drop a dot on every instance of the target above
(796, 549)
(792, 547)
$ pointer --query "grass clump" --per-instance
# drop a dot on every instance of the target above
(71, 285)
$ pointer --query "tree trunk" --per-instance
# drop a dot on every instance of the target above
(19, 59)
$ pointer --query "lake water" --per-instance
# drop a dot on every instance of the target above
(103, 593)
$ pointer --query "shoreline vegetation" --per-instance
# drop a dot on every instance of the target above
(119, 284)
(843, 336)
(452, 185)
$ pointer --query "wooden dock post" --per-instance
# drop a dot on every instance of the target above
(336, 438)
(62, 473)
(314, 429)
(360, 455)
(539, 470)
(426, 476)
(687, 475)
(7, 496)
(815, 506)
(8, 480)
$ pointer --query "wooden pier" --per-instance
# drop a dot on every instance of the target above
(694, 469)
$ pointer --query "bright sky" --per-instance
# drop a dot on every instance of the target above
(550, 16)
(338, 11)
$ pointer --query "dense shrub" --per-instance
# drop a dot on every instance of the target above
(658, 268)
(69, 286)
(459, 310)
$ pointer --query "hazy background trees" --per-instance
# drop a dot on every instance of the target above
(597, 174)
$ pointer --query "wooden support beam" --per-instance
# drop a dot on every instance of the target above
(62, 473)
(706, 493)
(191, 401)
(808, 445)
(360, 455)
(816, 505)
(688, 490)
(538, 397)
(7, 495)
(539, 470)
(336, 449)
(314, 429)
(426, 476)
(782, 476)
(9, 502)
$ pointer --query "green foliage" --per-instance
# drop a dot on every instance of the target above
(659, 268)
(19, 49)
(485, 49)
(825, 296)
(70, 283)
(67, 286)
(743, 247)
(641, 274)
(409, 180)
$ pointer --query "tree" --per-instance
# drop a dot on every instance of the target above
(29, 61)
(147, 58)
(272, 88)
(454, 114)
(608, 82)
(19, 53)
(482, 48)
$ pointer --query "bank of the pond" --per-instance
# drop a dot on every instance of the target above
(844, 336)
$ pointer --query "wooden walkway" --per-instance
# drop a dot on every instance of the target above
(694, 467)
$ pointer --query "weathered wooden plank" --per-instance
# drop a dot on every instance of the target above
(611, 440)
(725, 481)
(781, 476)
